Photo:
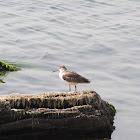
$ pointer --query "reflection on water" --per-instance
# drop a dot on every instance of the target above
(98, 39)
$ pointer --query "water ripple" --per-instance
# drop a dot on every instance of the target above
(99, 39)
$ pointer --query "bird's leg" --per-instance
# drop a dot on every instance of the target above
(75, 88)
(69, 88)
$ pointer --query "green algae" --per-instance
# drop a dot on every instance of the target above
(35, 66)
(5, 67)
(1, 81)
(113, 108)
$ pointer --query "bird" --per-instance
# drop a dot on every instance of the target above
(71, 77)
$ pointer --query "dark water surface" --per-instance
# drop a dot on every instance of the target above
(99, 39)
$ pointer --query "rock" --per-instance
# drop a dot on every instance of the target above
(56, 114)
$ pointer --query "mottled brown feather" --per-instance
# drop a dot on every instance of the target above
(71, 76)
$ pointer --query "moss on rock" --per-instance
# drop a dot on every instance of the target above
(113, 108)
(7, 67)
(1, 81)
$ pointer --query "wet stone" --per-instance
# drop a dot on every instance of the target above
(72, 114)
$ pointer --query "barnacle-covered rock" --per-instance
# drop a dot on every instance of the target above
(71, 114)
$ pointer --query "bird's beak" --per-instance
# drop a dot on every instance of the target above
(55, 70)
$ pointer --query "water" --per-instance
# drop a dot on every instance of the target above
(99, 39)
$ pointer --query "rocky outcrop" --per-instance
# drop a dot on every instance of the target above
(71, 114)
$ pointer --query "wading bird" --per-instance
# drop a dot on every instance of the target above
(71, 77)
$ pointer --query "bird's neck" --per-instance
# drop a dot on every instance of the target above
(62, 70)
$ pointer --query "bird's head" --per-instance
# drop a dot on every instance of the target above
(61, 68)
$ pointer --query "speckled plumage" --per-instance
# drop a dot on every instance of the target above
(71, 77)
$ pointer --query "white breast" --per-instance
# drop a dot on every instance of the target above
(60, 75)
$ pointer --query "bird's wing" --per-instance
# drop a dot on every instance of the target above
(73, 77)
